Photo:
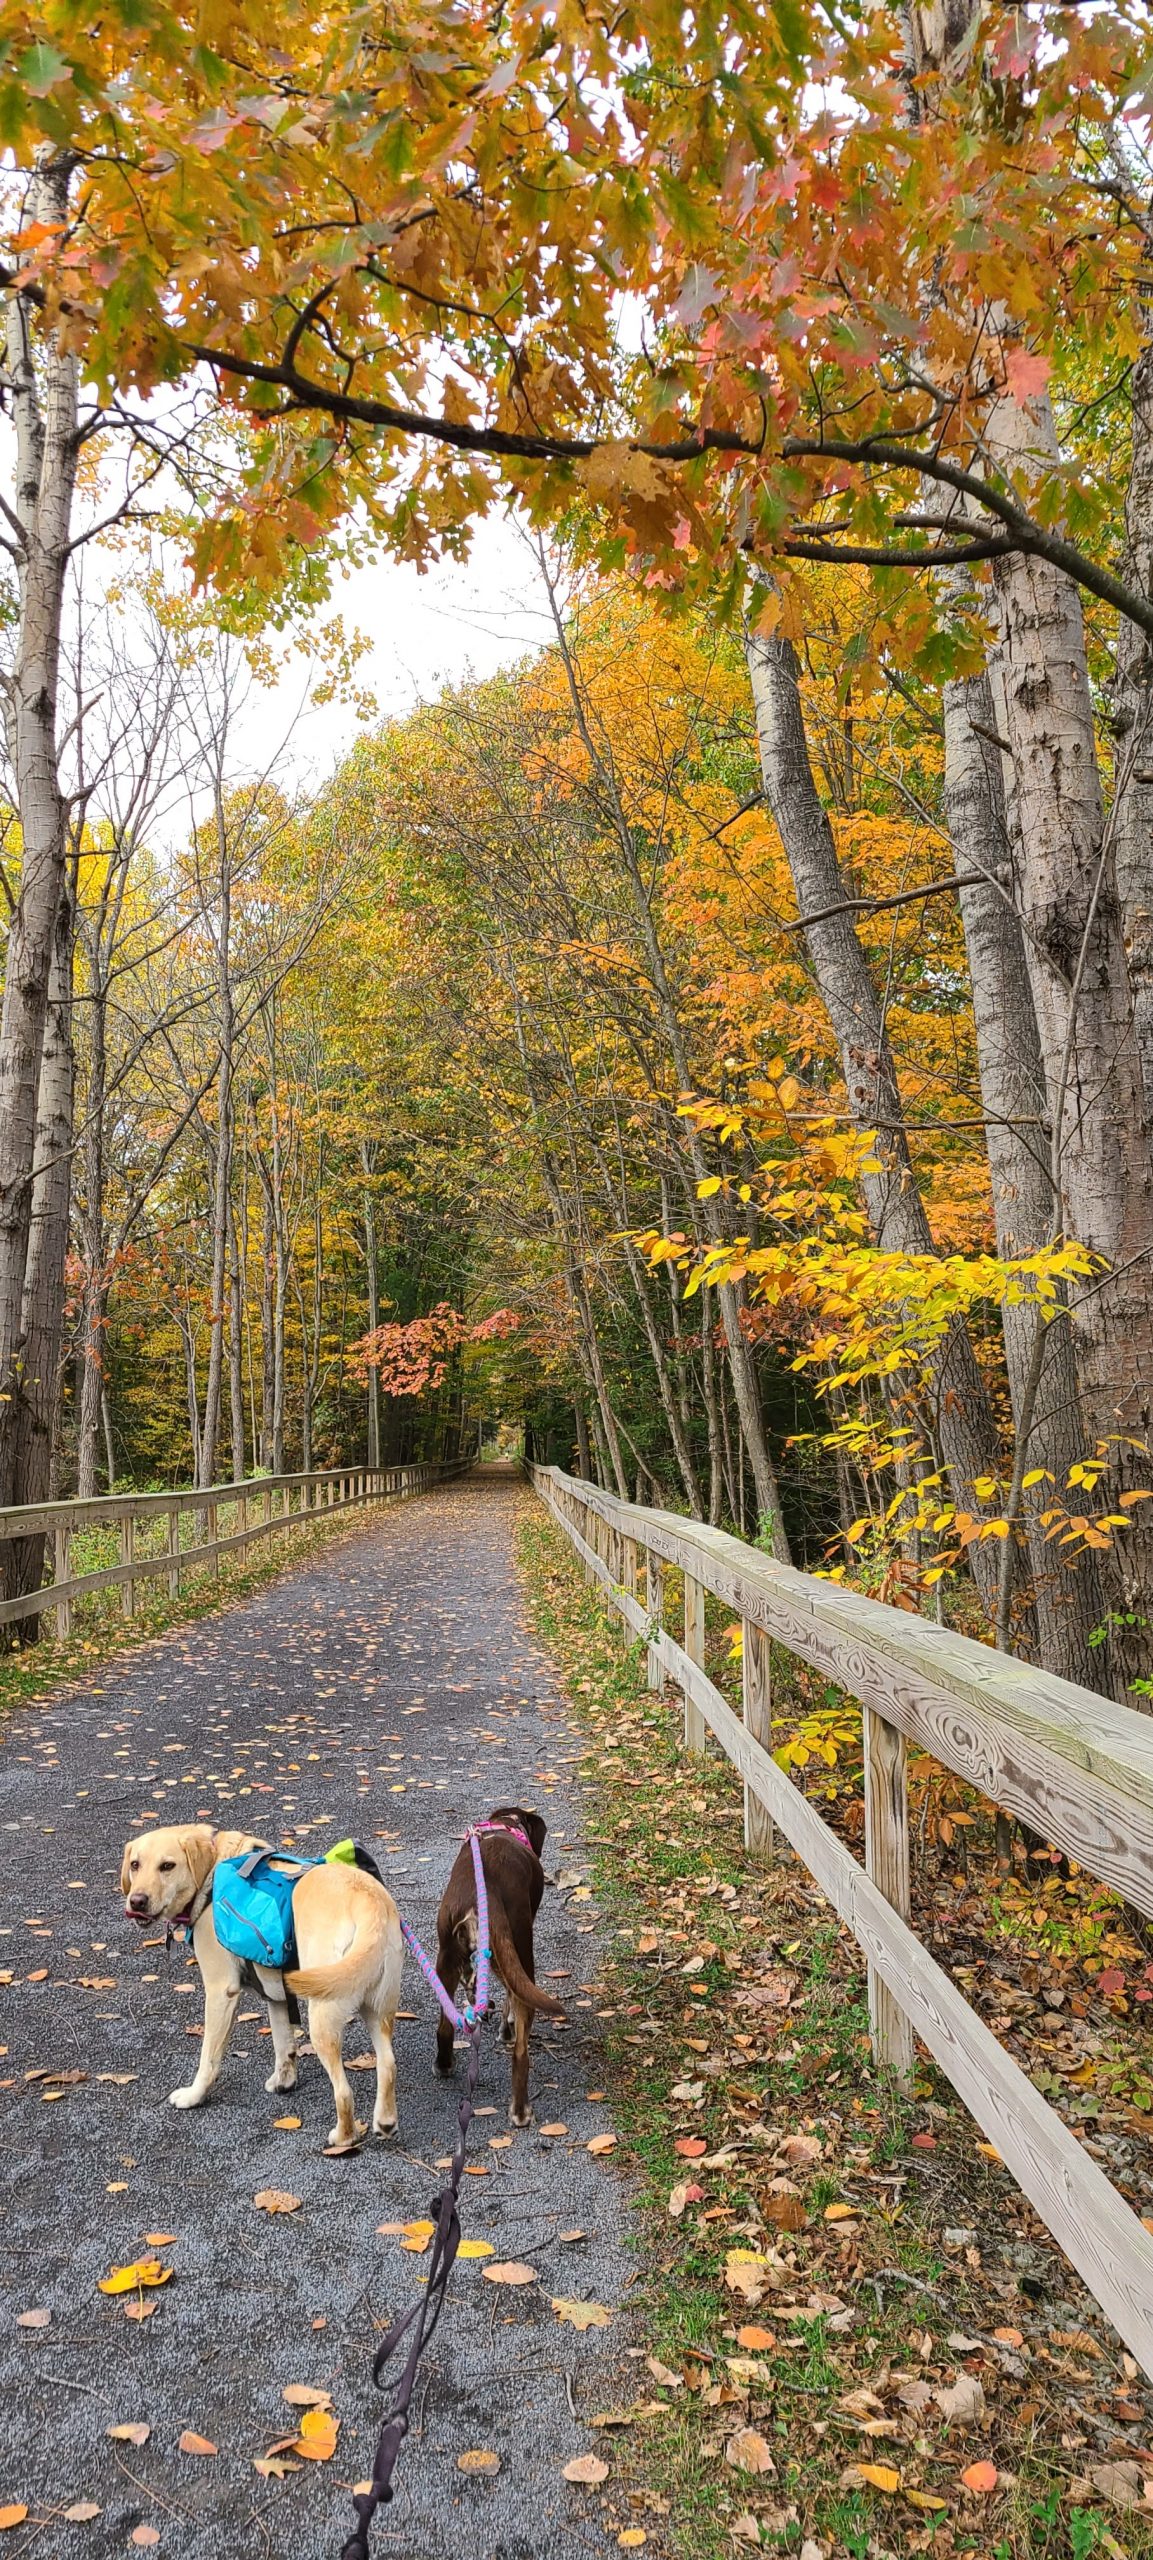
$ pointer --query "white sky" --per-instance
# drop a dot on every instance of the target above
(426, 631)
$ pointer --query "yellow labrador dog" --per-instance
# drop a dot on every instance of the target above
(350, 1949)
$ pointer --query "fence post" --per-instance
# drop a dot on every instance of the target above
(887, 1863)
(627, 1560)
(588, 1528)
(695, 1727)
(756, 1698)
(212, 1523)
(63, 1571)
(655, 1603)
(174, 1550)
(127, 1551)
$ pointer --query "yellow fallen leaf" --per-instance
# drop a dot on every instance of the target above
(416, 2236)
(929, 2506)
(583, 2315)
(475, 2249)
(319, 2429)
(478, 2461)
(839, 2212)
(879, 2475)
(988, 2151)
(142, 2271)
(632, 2538)
(586, 2470)
(286, 2124)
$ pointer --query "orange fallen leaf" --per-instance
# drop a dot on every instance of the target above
(286, 2124)
(134, 2433)
(479, 2461)
(145, 2536)
(416, 2236)
(755, 2338)
(601, 2142)
(319, 2429)
(160, 2239)
(190, 2442)
(509, 2271)
(690, 2147)
(981, 2477)
(838, 2212)
(11, 2516)
(748, 2451)
(274, 2200)
(586, 2470)
(85, 2511)
(551, 2132)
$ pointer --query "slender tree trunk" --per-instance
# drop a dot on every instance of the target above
(42, 405)
(267, 1336)
(222, 1175)
(94, 1317)
(42, 1313)
(1103, 1170)
(1046, 1410)
(109, 1440)
(711, 1403)
(371, 1268)
(964, 1424)
(235, 1349)
(584, 1456)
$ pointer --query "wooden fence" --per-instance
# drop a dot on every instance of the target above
(1074, 1767)
(264, 1507)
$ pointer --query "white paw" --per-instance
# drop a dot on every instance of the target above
(521, 2121)
(278, 2081)
(189, 2097)
(386, 2130)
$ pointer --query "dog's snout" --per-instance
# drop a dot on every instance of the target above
(138, 1902)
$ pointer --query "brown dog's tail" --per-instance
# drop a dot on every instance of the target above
(512, 1972)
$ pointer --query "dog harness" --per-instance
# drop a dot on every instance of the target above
(511, 1831)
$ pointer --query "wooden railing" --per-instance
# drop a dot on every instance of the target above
(262, 1507)
(1075, 1768)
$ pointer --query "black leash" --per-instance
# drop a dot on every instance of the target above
(421, 2320)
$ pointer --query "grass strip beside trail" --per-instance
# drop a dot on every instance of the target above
(857, 2337)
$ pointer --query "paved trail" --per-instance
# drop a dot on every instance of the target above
(388, 1688)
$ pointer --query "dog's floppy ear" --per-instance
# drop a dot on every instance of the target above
(128, 1849)
(536, 1829)
(199, 1846)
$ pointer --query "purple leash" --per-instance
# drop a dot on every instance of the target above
(473, 2011)
(417, 2324)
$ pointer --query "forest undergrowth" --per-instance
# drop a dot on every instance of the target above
(857, 2338)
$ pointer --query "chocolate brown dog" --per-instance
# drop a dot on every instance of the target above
(510, 1845)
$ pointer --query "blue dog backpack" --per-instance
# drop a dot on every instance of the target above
(252, 1906)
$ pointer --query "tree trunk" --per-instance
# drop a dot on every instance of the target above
(963, 1423)
(42, 404)
(370, 1263)
(1102, 1168)
(94, 1316)
(1045, 1410)
(236, 1350)
(222, 1172)
(42, 1313)
(1132, 721)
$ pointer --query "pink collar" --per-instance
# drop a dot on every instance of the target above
(510, 1831)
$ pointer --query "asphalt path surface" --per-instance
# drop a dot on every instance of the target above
(389, 1688)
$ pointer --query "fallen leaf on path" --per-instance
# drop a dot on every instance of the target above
(142, 2271)
(839, 2212)
(33, 2319)
(879, 2475)
(786, 2212)
(319, 2429)
(747, 2451)
(274, 2466)
(138, 2310)
(286, 2124)
(475, 2249)
(664, 2374)
(690, 2147)
(301, 2395)
(929, 2506)
(800, 2148)
(135, 2432)
(551, 2131)
(569, 2237)
(583, 2315)
(586, 2470)
(85, 2511)
(602, 2142)
(160, 2239)
(980, 2477)
(478, 2461)
(274, 2200)
(10, 2517)
(680, 2196)
(756, 2339)
(416, 2236)
(190, 2442)
(509, 2271)
(145, 2536)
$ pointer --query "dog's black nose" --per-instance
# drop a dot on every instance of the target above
(138, 1902)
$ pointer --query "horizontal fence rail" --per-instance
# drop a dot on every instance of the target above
(1073, 1766)
(264, 1506)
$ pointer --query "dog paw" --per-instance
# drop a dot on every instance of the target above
(508, 2031)
(278, 2081)
(522, 2120)
(189, 2097)
(386, 2132)
(338, 2143)
(444, 2066)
